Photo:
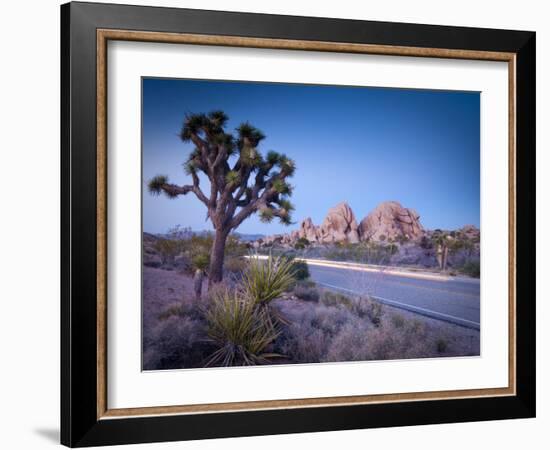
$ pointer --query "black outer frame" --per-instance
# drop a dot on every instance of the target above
(79, 424)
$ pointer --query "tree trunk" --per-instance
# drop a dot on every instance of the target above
(197, 283)
(215, 273)
(439, 255)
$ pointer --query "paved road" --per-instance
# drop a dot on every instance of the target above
(456, 301)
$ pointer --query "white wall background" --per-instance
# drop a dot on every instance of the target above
(29, 186)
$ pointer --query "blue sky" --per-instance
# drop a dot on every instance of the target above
(356, 144)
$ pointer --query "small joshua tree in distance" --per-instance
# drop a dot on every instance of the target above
(242, 181)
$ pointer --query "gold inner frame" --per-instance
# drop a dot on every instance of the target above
(104, 35)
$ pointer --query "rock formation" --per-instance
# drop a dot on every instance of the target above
(308, 230)
(390, 220)
(339, 226)
(470, 231)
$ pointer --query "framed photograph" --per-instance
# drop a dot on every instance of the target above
(276, 224)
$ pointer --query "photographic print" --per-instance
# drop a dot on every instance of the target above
(298, 224)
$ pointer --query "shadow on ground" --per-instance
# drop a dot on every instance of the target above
(50, 434)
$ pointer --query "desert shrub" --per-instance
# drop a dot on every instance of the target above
(416, 326)
(307, 283)
(351, 344)
(152, 260)
(362, 307)
(398, 321)
(360, 342)
(321, 333)
(472, 269)
(330, 298)
(234, 247)
(301, 270)
(334, 254)
(201, 261)
(339, 332)
(175, 343)
(402, 239)
(392, 248)
(183, 263)
(426, 243)
(303, 345)
(173, 310)
(369, 252)
(441, 345)
(310, 331)
(240, 331)
(374, 312)
(199, 244)
(329, 319)
(235, 265)
(367, 308)
(460, 242)
(301, 243)
(306, 292)
(168, 249)
(234, 270)
(189, 307)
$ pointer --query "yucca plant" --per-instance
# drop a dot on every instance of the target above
(241, 331)
(266, 280)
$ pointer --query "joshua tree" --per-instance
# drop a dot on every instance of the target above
(241, 181)
(441, 240)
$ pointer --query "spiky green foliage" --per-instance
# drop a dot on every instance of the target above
(219, 118)
(192, 125)
(249, 135)
(287, 165)
(440, 237)
(232, 177)
(286, 205)
(285, 219)
(241, 332)
(224, 140)
(250, 157)
(155, 184)
(272, 157)
(268, 279)
(201, 261)
(266, 215)
(190, 167)
(281, 187)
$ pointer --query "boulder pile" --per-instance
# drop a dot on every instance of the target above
(388, 221)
